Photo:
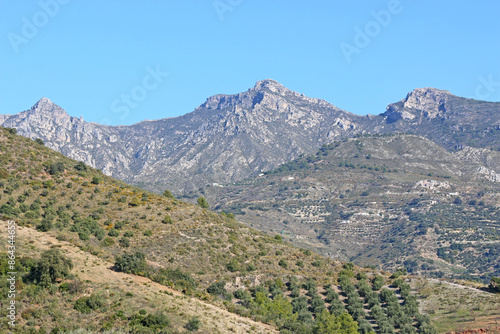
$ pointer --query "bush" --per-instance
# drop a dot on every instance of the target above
(167, 220)
(53, 265)
(39, 141)
(168, 194)
(233, 265)
(217, 288)
(124, 242)
(283, 263)
(82, 306)
(193, 324)
(131, 263)
(495, 285)
(55, 168)
(80, 166)
(86, 305)
(156, 321)
(108, 242)
(45, 225)
(316, 263)
(135, 202)
(95, 180)
(113, 233)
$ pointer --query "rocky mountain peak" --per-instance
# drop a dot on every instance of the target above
(45, 107)
(425, 102)
(269, 84)
(424, 98)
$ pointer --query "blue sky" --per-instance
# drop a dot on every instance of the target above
(122, 61)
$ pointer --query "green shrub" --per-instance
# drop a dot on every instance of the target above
(86, 305)
(80, 166)
(124, 242)
(193, 324)
(316, 263)
(113, 233)
(168, 194)
(202, 202)
(45, 225)
(494, 285)
(217, 288)
(233, 265)
(167, 220)
(283, 263)
(128, 234)
(156, 321)
(52, 265)
(131, 263)
(108, 242)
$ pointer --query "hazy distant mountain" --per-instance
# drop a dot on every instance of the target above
(231, 137)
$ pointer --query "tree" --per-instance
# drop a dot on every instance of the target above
(495, 284)
(53, 265)
(327, 323)
(202, 202)
(168, 194)
(378, 282)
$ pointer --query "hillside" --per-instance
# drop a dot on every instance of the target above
(389, 201)
(231, 137)
(144, 263)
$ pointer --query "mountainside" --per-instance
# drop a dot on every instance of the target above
(450, 121)
(203, 261)
(385, 200)
(231, 137)
(225, 139)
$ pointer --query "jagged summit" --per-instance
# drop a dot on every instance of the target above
(45, 100)
(270, 84)
(422, 97)
(46, 106)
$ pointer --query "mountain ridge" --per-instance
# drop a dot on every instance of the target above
(230, 137)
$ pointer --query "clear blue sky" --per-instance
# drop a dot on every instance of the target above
(86, 55)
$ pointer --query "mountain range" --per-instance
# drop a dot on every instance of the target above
(232, 137)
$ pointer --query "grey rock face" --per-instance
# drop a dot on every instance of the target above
(231, 137)
(227, 138)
